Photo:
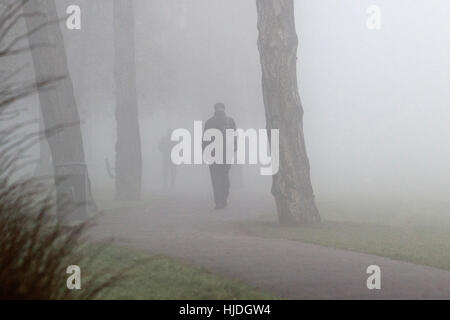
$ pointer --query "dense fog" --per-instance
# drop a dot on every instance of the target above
(375, 102)
(349, 101)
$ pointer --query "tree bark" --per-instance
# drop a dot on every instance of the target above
(58, 106)
(277, 44)
(128, 148)
(44, 166)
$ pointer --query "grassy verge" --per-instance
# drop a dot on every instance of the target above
(427, 245)
(157, 277)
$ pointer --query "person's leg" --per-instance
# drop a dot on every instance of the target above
(223, 185)
(215, 179)
(226, 183)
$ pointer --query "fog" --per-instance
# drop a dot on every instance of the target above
(376, 106)
(376, 115)
(376, 103)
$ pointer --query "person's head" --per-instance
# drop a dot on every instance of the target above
(219, 108)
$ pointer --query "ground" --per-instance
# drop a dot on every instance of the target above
(156, 277)
(188, 229)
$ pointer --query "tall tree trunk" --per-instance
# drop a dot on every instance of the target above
(44, 165)
(128, 147)
(58, 107)
(278, 45)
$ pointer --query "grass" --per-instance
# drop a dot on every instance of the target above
(421, 245)
(385, 228)
(156, 277)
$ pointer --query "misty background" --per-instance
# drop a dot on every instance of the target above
(376, 102)
(370, 188)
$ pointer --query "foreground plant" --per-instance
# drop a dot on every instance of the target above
(35, 252)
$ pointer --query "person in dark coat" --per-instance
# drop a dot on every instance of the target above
(220, 172)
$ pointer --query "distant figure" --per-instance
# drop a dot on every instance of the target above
(169, 169)
(219, 172)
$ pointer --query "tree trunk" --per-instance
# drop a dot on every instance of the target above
(128, 148)
(59, 109)
(44, 166)
(278, 45)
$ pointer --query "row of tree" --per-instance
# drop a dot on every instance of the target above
(277, 44)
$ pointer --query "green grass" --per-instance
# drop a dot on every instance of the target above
(422, 245)
(417, 232)
(155, 277)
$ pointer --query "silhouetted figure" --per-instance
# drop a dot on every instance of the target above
(169, 170)
(219, 172)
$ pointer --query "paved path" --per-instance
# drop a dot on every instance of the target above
(188, 230)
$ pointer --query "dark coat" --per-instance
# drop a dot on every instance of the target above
(221, 122)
